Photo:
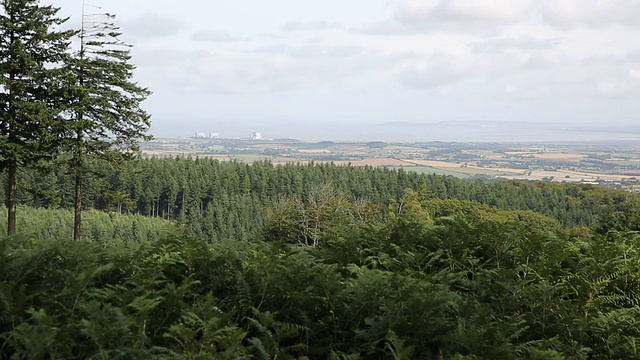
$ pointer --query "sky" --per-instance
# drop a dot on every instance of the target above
(382, 69)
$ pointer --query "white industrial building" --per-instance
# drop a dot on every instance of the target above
(211, 135)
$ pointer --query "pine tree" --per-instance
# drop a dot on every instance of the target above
(105, 118)
(31, 52)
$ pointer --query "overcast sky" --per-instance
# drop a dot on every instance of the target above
(346, 69)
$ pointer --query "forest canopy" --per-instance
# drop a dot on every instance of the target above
(229, 260)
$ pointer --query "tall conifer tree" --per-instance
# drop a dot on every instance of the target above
(31, 50)
(105, 118)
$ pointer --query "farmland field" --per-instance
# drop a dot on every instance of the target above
(614, 166)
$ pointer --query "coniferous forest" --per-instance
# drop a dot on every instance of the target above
(193, 258)
(111, 256)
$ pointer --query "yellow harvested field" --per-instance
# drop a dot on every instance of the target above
(503, 170)
(524, 153)
(470, 166)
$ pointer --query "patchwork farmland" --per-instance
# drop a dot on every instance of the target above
(613, 165)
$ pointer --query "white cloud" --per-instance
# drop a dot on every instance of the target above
(510, 89)
(595, 80)
(259, 73)
(523, 43)
(591, 13)
(615, 89)
(441, 69)
(151, 25)
(634, 74)
(311, 26)
(216, 36)
(313, 50)
(486, 10)
(460, 15)
(154, 58)
(382, 28)
(497, 16)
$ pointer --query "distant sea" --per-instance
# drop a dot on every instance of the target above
(503, 132)
(402, 131)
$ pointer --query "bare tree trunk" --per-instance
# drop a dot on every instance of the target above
(77, 219)
(77, 199)
(11, 220)
(77, 161)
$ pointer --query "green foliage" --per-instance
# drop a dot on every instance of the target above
(341, 263)
(217, 201)
(300, 221)
(104, 117)
(31, 94)
(108, 229)
(104, 111)
(440, 279)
